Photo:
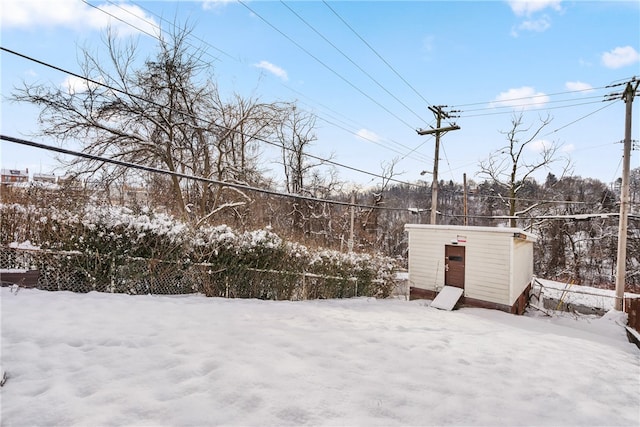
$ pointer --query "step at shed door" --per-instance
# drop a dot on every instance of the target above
(454, 260)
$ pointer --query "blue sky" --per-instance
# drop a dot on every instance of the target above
(385, 64)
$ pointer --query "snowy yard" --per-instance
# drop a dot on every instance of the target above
(101, 359)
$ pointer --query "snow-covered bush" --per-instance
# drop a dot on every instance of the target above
(118, 250)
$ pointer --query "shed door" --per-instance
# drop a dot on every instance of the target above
(454, 266)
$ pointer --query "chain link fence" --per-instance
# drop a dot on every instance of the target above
(85, 272)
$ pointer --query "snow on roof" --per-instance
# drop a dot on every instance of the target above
(472, 228)
(15, 172)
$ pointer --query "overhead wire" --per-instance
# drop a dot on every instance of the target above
(366, 138)
(348, 58)
(461, 104)
(415, 155)
(537, 104)
(376, 52)
(533, 103)
(106, 86)
(519, 108)
(244, 187)
(580, 118)
(208, 44)
(152, 169)
(318, 60)
(364, 41)
(192, 35)
(533, 96)
(414, 150)
(120, 19)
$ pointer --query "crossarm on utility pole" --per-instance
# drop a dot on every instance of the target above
(439, 113)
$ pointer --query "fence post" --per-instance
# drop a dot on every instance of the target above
(304, 285)
(113, 286)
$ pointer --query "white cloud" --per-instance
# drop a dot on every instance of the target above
(73, 85)
(620, 57)
(578, 87)
(73, 14)
(368, 135)
(274, 69)
(524, 97)
(215, 4)
(529, 7)
(537, 25)
(539, 145)
(585, 63)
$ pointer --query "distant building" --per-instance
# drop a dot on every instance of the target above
(14, 176)
(129, 193)
(44, 177)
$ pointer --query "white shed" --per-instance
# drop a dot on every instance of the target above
(493, 265)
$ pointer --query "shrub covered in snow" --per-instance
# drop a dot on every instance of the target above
(116, 249)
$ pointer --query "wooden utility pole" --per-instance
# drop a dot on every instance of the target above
(437, 110)
(627, 96)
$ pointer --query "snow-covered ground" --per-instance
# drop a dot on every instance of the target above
(102, 359)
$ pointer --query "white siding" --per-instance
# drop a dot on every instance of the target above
(487, 265)
(426, 259)
(522, 270)
(497, 266)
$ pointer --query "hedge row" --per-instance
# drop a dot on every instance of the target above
(116, 249)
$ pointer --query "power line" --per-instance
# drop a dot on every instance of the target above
(172, 24)
(208, 44)
(410, 152)
(581, 118)
(571, 103)
(381, 143)
(341, 77)
(376, 52)
(534, 104)
(520, 107)
(89, 80)
(371, 140)
(277, 193)
(122, 20)
(351, 60)
(535, 96)
(186, 176)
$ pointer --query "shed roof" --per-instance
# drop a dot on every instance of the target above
(472, 228)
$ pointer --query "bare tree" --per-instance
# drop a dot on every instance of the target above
(241, 127)
(295, 132)
(165, 112)
(370, 219)
(634, 186)
(509, 168)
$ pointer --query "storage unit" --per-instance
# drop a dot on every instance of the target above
(493, 265)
